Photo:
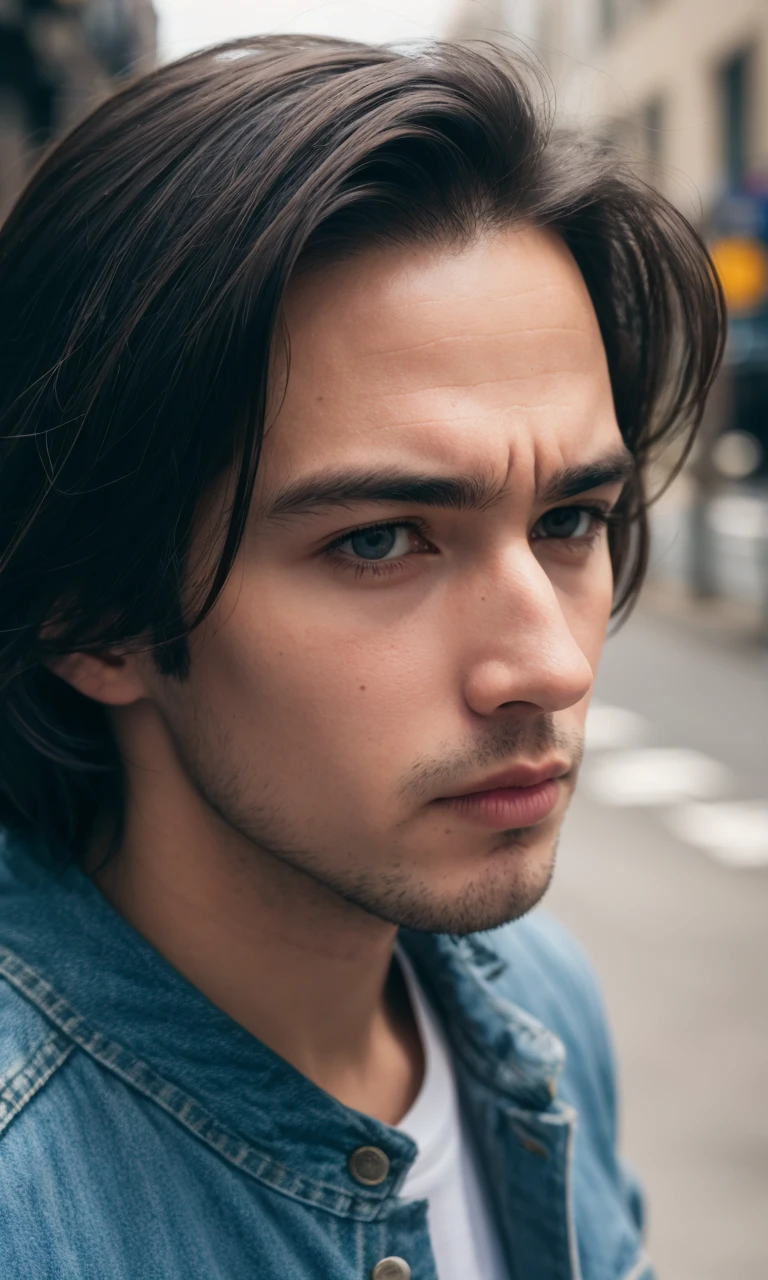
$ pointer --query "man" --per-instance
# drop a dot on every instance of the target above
(331, 380)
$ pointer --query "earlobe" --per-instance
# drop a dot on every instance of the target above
(107, 677)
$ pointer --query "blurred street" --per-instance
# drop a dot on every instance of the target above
(663, 865)
(663, 876)
(738, 532)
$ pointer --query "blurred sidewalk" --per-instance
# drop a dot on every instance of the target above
(663, 876)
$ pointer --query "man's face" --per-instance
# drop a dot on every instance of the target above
(348, 682)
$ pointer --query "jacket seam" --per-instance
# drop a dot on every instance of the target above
(181, 1106)
(20, 1087)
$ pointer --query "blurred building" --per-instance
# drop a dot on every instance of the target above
(685, 81)
(57, 59)
(683, 86)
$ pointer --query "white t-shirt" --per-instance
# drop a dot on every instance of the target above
(445, 1173)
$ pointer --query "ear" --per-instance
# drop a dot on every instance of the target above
(108, 677)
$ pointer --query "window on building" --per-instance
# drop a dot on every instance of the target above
(735, 76)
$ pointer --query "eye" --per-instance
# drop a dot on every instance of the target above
(377, 542)
(575, 523)
(378, 548)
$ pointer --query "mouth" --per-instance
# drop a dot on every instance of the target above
(519, 797)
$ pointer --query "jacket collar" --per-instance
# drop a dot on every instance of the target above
(501, 1044)
(94, 976)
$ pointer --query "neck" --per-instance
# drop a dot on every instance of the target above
(306, 972)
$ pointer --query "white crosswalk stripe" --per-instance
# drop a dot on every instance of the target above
(690, 789)
(656, 776)
(614, 727)
(734, 833)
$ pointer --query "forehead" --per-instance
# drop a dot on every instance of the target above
(441, 355)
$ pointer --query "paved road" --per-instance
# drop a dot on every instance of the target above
(679, 935)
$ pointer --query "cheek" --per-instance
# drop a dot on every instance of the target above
(307, 682)
(587, 606)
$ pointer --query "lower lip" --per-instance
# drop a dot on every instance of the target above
(506, 806)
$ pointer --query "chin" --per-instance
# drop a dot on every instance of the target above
(514, 880)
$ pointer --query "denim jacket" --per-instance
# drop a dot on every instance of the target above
(145, 1135)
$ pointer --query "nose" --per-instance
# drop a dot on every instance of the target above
(523, 652)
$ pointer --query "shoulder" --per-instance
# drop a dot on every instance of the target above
(35, 1054)
(32, 1049)
(33, 1057)
(549, 974)
(31, 1052)
(545, 964)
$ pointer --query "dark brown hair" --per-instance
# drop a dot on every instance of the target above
(141, 275)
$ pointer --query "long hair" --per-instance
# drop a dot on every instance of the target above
(141, 277)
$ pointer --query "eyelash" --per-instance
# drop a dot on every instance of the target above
(383, 568)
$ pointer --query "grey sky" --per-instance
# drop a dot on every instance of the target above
(189, 24)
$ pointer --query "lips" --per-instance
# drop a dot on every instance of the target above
(517, 776)
(507, 807)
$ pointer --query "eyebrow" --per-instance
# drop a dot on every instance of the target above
(346, 487)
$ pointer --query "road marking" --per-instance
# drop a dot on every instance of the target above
(734, 833)
(739, 517)
(610, 727)
(656, 776)
(685, 785)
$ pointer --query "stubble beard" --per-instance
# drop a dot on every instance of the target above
(520, 873)
(522, 861)
(487, 902)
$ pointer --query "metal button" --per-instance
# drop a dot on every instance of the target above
(369, 1165)
(391, 1269)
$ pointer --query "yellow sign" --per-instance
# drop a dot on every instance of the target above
(742, 265)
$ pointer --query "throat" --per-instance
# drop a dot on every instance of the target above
(341, 1016)
(388, 1083)
(406, 1034)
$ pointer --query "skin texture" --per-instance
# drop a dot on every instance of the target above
(284, 811)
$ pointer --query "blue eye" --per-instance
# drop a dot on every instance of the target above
(373, 543)
(378, 548)
(377, 542)
(569, 522)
